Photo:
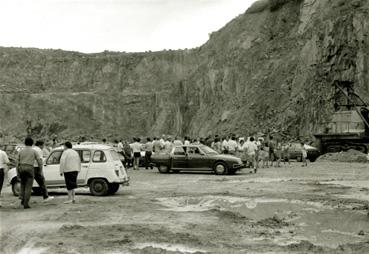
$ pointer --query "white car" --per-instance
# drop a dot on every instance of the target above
(101, 170)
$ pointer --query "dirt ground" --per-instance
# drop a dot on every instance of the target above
(319, 209)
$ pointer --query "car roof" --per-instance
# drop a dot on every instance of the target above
(88, 146)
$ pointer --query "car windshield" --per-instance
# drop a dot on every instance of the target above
(208, 150)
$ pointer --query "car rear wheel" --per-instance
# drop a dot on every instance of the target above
(99, 187)
(220, 168)
(163, 169)
(113, 188)
(16, 187)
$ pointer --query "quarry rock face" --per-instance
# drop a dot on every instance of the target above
(271, 69)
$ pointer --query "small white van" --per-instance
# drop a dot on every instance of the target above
(101, 170)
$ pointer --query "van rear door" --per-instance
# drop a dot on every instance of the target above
(85, 155)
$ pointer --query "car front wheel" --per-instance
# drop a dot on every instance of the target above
(163, 169)
(220, 168)
(99, 187)
(16, 187)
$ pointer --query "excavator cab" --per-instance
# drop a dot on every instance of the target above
(349, 126)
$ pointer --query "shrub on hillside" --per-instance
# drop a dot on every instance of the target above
(276, 4)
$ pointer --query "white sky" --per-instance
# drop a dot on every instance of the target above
(115, 25)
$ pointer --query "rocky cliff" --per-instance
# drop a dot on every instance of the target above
(270, 69)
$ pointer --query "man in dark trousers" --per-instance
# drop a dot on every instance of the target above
(39, 175)
(25, 170)
(148, 152)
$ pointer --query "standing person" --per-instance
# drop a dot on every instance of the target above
(272, 146)
(127, 153)
(120, 147)
(136, 149)
(156, 145)
(39, 174)
(225, 145)
(70, 165)
(196, 141)
(241, 151)
(286, 153)
(168, 145)
(303, 154)
(186, 141)
(148, 152)
(217, 145)
(278, 154)
(25, 170)
(4, 161)
(162, 142)
(251, 153)
(177, 142)
(232, 146)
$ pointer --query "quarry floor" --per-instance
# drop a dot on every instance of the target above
(322, 208)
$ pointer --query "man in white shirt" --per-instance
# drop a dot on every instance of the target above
(168, 145)
(162, 142)
(39, 174)
(4, 161)
(225, 147)
(136, 149)
(251, 152)
(187, 141)
(232, 146)
(177, 142)
(120, 147)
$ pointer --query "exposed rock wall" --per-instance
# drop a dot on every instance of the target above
(265, 70)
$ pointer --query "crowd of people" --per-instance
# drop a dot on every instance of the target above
(29, 167)
(254, 152)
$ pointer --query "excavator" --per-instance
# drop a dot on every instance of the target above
(349, 126)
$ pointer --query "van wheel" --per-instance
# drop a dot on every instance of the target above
(113, 188)
(99, 187)
(163, 169)
(16, 187)
(220, 168)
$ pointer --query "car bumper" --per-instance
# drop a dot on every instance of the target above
(123, 181)
(238, 166)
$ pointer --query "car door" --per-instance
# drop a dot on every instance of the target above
(196, 159)
(51, 169)
(85, 155)
(179, 158)
(99, 164)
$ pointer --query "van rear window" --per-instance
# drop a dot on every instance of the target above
(99, 156)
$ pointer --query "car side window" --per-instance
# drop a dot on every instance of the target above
(99, 156)
(179, 151)
(54, 158)
(193, 150)
(85, 155)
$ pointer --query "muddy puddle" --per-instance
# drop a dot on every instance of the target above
(317, 222)
(168, 247)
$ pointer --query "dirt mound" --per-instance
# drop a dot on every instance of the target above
(66, 228)
(230, 215)
(348, 156)
(274, 222)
